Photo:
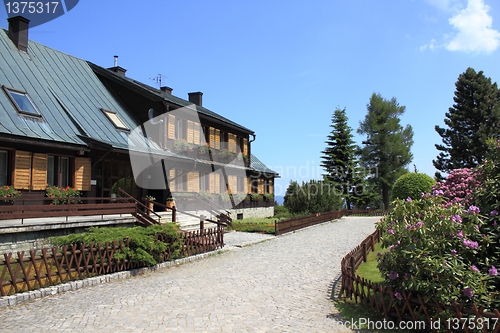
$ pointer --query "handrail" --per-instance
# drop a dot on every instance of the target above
(174, 209)
(204, 200)
(129, 197)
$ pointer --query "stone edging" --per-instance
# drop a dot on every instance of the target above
(28, 296)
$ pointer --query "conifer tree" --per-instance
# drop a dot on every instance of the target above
(339, 158)
(386, 151)
(473, 118)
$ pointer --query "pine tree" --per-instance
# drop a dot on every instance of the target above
(339, 157)
(386, 151)
(474, 118)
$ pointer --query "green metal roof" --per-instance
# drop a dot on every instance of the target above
(168, 97)
(65, 90)
(257, 165)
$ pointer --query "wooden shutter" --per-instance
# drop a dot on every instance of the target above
(22, 170)
(232, 143)
(83, 167)
(233, 183)
(249, 185)
(196, 133)
(217, 183)
(171, 183)
(271, 186)
(261, 186)
(217, 139)
(39, 172)
(171, 126)
(193, 182)
(245, 147)
(190, 131)
(212, 137)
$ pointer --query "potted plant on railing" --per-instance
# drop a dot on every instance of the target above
(150, 203)
(182, 146)
(204, 149)
(69, 194)
(7, 192)
(206, 195)
(255, 197)
(268, 197)
(225, 155)
(170, 203)
(242, 157)
(225, 197)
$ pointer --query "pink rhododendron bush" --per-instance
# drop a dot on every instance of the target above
(445, 245)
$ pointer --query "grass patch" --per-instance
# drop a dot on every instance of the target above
(369, 270)
(262, 225)
(353, 312)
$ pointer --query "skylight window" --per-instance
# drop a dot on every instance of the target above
(113, 117)
(22, 102)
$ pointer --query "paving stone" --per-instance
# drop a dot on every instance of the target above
(280, 284)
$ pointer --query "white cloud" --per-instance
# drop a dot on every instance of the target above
(475, 33)
(431, 46)
(473, 25)
(445, 5)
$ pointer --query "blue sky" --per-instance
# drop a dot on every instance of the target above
(281, 68)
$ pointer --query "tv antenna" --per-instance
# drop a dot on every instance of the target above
(158, 79)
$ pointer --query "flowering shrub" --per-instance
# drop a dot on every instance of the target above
(9, 192)
(459, 186)
(66, 192)
(182, 145)
(439, 250)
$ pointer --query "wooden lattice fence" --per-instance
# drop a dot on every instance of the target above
(47, 267)
(411, 307)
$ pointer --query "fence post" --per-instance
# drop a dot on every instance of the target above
(352, 265)
(174, 214)
(276, 228)
(364, 251)
(202, 222)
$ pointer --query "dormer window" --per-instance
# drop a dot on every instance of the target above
(22, 102)
(115, 119)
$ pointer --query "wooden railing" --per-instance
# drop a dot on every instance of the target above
(410, 307)
(296, 223)
(41, 207)
(46, 267)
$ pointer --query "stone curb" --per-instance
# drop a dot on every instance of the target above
(28, 296)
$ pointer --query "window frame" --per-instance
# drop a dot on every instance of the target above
(57, 171)
(8, 91)
(108, 114)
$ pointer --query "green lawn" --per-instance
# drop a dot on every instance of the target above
(262, 225)
(368, 270)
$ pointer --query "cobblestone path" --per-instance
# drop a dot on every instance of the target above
(279, 285)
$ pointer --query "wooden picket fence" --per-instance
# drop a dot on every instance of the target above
(296, 223)
(407, 306)
(47, 267)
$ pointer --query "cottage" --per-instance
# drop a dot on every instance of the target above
(66, 122)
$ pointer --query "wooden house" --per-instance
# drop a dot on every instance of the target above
(66, 122)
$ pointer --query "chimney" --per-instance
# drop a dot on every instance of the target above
(166, 90)
(117, 69)
(195, 98)
(18, 32)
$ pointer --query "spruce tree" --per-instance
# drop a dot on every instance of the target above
(339, 157)
(386, 150)
(473, 118)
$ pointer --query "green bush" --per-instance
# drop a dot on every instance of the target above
(313, 197)
(143, 248)
(281, 212)
(412, 185)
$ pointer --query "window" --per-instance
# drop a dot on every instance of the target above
(255, 185)
(115, 119)
(58, 171)
(180, 128)
(204, 179)
(4, 165)
(180, 180)
(241, 184)
(22, 102)
(223, 140)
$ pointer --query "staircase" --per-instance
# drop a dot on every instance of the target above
(188, 222)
